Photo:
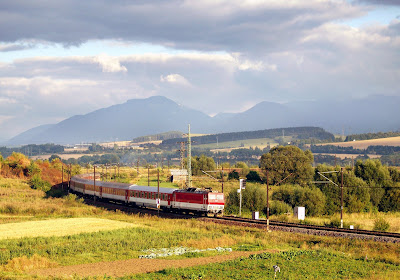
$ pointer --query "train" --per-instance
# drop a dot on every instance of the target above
(190, 200)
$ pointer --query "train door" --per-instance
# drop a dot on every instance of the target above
(101, 192)
(205, 202)
(126, 196)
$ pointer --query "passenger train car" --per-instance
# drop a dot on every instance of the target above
(184, 200)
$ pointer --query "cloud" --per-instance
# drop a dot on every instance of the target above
(109, 63)
(13, 47)
(175, 79)
(220, 56)
(233, 26)
(381, 2)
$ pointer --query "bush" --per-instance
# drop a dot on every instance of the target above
(253, 176)
(294, 195)
(254, 198)
(37, 183)
(233, 175)
(335, 223)
(381, 225)
(277, 207)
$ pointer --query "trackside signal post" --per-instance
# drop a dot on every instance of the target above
(242, 186)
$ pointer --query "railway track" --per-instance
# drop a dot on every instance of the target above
(273, 225)
(312, 229)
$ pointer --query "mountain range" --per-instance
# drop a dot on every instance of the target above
(139, 117)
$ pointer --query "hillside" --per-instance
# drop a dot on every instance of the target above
(292, 132)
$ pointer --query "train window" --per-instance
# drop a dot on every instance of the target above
(212, 196)
(220, 197)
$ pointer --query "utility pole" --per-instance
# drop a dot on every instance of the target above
(222, 179)
(106, 173)
(137, 166)
(158, 191)
(341, 206)
(182, 153)
(69, 177)
(189, 168)
(148, 176)
(62, 176)
(267, 202)
(94, 183)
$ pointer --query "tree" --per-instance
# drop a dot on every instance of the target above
(53, 157)
(253, 176)
(200, 163)
(233, 175)
(356, 195)
(294, 195)
(289, 160)
(244, 168)
(376, 176)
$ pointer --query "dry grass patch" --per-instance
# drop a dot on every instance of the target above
(24, 263)
(59, 227)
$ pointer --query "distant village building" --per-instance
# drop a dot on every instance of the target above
(178, 175)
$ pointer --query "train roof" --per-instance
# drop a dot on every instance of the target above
(196, 190)
(151, 189)
(123, 186)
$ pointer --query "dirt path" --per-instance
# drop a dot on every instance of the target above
(134, 266)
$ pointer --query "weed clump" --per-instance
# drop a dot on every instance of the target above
(381, 225)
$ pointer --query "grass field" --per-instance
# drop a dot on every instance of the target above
(299, 256)
(58, 227)
(363, 144)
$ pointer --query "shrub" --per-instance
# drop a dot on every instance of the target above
(37, 183)
(233, 175)
(294, 195)
(381, 224)
(253, 176)
(254, 198)
(277, 207)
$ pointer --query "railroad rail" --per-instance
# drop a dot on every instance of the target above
(312, 229)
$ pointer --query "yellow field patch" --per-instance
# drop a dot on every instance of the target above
(59, 227)
(363, 144)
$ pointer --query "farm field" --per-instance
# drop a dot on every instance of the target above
(58, 227)
(114, 253)
(349, 156)
(363, 144)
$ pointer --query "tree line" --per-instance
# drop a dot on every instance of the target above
(374, 149)
(369, 186)
(368, 136)
(297, 132)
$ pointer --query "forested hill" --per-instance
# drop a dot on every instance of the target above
(368, 136)
(296, 132)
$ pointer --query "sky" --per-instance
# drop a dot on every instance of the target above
(69, 57)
